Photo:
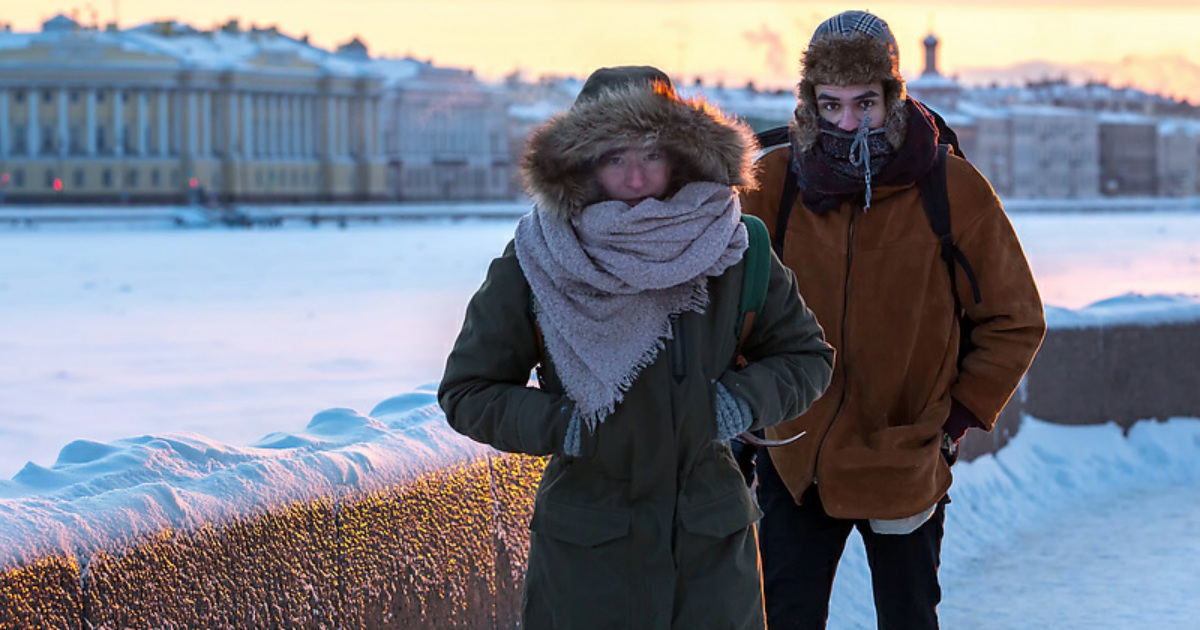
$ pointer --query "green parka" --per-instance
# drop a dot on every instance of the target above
(652, 526)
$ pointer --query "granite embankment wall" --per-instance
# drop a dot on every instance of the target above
(447, 550)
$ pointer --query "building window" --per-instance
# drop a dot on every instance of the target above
(75, 140)
(48, 139)
(78, 178)
(258, 178)
(101, 138)
(106, 179)
(174, 180)
(20, 133)
(18, 178)
(155, 180)
(100, 96)
(74, 96)
(49, 178)
(307, 180)
(19, 96)
(131, 178)
(47, 96)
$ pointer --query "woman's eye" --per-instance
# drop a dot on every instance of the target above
(653, 156)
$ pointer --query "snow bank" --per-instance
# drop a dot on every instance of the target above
(1128, 309)
(99, 493)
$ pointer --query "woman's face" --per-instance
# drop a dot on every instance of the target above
(634, 175)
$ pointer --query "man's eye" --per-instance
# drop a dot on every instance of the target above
(868, 104)
(653, 156)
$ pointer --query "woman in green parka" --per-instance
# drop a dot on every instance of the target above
(623, 285)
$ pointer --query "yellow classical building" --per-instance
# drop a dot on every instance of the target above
(165, 113)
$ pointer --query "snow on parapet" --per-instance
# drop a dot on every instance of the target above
(99, 494)
(1130, 308)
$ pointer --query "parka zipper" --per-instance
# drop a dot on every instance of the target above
(678, 352)
(842, 353)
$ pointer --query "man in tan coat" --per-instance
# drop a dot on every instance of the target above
(869, 265)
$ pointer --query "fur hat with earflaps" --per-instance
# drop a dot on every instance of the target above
(850, 48)
(632, 107)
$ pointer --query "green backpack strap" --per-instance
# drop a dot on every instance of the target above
(755, 280)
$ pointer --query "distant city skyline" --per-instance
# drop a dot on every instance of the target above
(1151, 45)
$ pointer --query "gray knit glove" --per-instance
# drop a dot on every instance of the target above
(733, 414)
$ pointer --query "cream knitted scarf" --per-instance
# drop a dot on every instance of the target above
(606, 282)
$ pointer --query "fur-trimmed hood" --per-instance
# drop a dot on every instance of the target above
(558, 168)
(849, 59)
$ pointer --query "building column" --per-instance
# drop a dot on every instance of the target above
(231, 125)
(297, 127)
(89, 139)
(164, 145)
(206, 118)
(4, 128)
(330, 126)
(261, 128)
(63, 132)
(247, 125)
(118, 122)
(142, 131)
(33, 134)
(193, 118)
(375, 139)
(277, 126)
(310, 127)
(345, 123)
(285, 126)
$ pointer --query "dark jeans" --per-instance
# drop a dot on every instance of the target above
(801, 546)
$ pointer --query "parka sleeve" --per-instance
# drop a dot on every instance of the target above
(789, 362)
(485, 390)
(1009, 320)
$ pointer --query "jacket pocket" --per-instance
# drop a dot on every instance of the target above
(581, 568)
(721, 517)
(579, 525)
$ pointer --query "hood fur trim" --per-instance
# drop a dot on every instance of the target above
(558, 168)
(856, 59)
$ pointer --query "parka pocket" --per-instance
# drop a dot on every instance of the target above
(721, 517)
(579, 525)
(581, 567)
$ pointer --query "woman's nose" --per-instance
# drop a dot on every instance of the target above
(636, 177)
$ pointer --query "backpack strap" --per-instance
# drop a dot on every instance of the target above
(936, 200)
(769, 140)
(755, 279)
(787, 201)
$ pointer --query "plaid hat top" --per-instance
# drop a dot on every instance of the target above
(849, 23)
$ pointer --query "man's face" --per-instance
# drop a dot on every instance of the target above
(846, 105)
(634, 175)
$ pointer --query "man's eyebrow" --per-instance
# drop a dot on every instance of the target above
(868, 94)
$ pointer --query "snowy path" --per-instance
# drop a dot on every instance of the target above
(1128, 561)
(1067, 527)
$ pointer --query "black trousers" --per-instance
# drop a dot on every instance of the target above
(801, 546)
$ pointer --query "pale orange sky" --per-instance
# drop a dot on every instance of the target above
(731, 40)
